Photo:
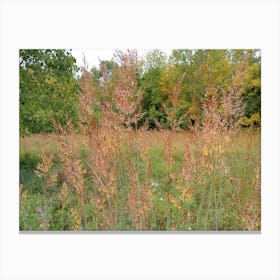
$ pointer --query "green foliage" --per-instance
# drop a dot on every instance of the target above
(201, 69)
(149, 83)
(47, 89)
(252, 94)
(253, 121)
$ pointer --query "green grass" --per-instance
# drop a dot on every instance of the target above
(221, 203)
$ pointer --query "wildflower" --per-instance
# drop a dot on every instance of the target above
(154, 184)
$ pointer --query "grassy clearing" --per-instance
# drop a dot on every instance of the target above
(227, 198)
(110, 173)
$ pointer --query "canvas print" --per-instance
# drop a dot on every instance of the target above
(140, 140)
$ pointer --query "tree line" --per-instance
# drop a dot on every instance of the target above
(50, 84)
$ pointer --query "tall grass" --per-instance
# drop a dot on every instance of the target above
(111, 174)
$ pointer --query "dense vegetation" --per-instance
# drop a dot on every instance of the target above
(149, 144)
(49, 85)
(48, 89)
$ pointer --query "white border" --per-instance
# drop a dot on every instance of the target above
(158, 24)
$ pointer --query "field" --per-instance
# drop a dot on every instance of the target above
(173, 146)
(147, 188)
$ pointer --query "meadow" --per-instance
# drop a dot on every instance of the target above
(158, 196)
(195, 169)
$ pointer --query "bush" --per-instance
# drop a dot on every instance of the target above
(253, 121)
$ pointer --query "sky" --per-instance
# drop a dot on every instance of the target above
(93, 56)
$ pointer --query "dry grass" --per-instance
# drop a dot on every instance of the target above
(238, 177)
(111, 175)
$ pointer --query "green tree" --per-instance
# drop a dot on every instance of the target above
(154, 64)
(202, 68)
(47, 89)
(252, 94)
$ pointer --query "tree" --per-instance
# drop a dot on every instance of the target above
(47, 89)
(201, 68)
(252, 94)
(153, 99)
